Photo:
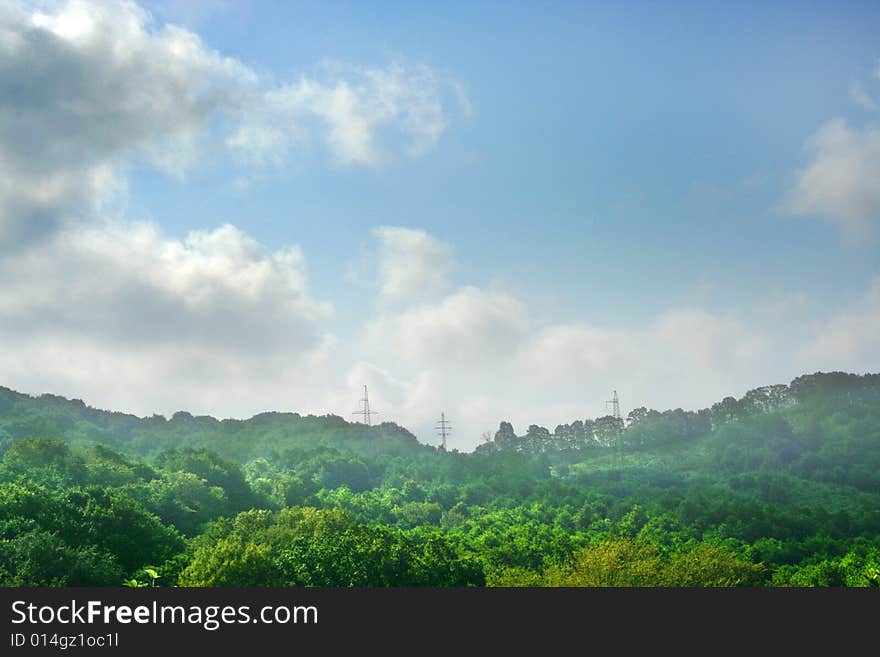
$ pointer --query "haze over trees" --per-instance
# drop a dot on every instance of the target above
(780, 487)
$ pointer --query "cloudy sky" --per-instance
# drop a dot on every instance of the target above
(500, 211)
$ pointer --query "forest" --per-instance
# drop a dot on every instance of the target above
(780, 487)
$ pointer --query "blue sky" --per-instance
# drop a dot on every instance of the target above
(656, 193)
(643, 145)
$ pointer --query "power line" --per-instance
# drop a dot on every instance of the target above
(444, 428)
(365, 411)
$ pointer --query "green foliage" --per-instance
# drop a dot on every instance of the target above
(182, 499)
(43, 460)
(860, 567)
(41, 558)
(215, 471)
(628, 562)
(314, 547)
(77, 536)
(779, 487)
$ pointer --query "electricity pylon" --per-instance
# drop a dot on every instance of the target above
(365, 411)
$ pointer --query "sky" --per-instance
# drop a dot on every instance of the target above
(494, 210)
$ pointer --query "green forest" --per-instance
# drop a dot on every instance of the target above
(780, 487)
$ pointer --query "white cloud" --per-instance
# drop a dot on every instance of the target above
(366, 115)
(683, 356)
(480, 356)
(129, 283)
(566, 353)
(97, 306)
(229, 328)
(124, 308)
(454, 356)
(391, 397)
(708, 342)
(858, 93)
(92, 85)
(680, 340)
(470, 326)
(196, 377)
(116, 312)
(848, 340)
(412, 264)
(129, 318)
(840, 183)
(86, 87)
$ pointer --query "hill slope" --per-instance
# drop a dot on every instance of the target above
(780, 487)
(241, 440)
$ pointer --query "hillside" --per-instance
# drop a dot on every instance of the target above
(241, 440)
(780, 487)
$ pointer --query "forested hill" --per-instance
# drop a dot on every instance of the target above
(241, 440)
(815, 394)
(779, 487)
(23, 415)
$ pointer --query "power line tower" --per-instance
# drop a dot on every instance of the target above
(615, 405)
(365, 411)
(444, 428)
(618, 421)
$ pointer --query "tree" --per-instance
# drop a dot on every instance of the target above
(41, 558)
(538, 439)
(607, 430)
(505, 437)
(184, 500)
(727, 410)
(312, 547)
(637, 415)
(46, 460)
(215, 470)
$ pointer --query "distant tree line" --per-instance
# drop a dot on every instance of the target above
(648, 427)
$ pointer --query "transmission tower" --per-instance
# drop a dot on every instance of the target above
(615, 405)
(618, 422)
(444, 428)
(365, 411)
